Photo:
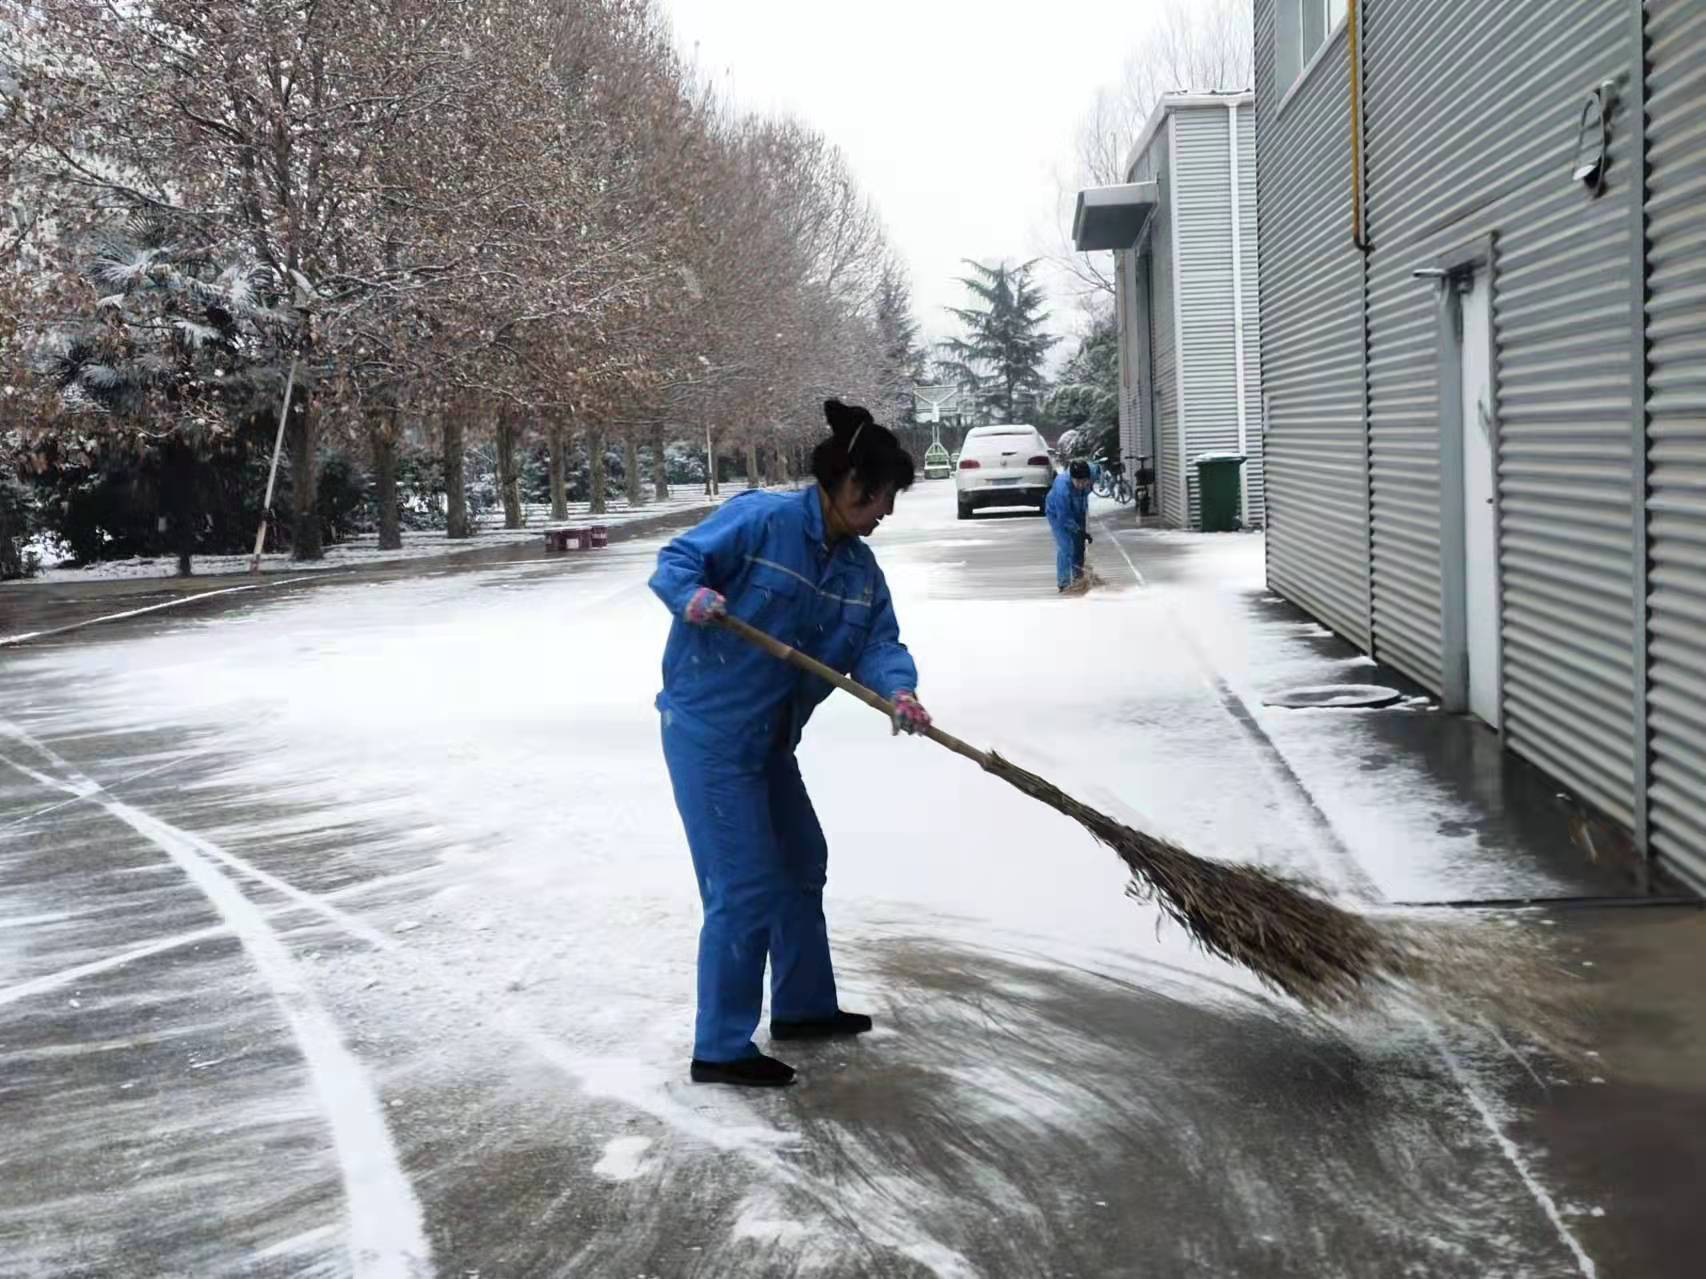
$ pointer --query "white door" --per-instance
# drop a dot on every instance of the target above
(1480, 546)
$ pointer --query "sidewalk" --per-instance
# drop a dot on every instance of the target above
(35, 608)
(1621, 1142)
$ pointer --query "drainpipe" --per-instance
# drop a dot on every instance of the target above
(1238, 304)
(1354, 49)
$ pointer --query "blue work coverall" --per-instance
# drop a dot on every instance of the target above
(1068, 513)
(732, 716)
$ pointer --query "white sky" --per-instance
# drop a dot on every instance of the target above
(955, 114)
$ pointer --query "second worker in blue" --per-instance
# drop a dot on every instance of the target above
(1068, 511)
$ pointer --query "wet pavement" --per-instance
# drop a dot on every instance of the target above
(347, 929)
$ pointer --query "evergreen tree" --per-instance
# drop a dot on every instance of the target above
(1000, 358)
(902, 358)
(184, 346)
(1086, 396)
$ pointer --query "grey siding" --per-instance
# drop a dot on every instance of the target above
(1252, 313)
(1131, 310)
(1166, 357)
(1676, 425)
(1202, 202)
(1311, 350)
(1471, 117)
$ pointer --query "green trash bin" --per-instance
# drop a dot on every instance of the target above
(1220, 492)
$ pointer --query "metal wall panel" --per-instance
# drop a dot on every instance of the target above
(1312, 339)
(1676, 433)
(1202, 203)
(1163, 312)
(1251, 312)
(1125, 312)
(1470, 118)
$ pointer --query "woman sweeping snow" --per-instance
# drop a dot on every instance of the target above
(793, 565)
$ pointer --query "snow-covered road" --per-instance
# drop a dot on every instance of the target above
(351, 931)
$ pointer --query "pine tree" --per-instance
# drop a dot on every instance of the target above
(184, 346)
(1085, 399)
(902, 358)
(1000, 359)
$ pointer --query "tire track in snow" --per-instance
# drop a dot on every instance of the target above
(387, 1234)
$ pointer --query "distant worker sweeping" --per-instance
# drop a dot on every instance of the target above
(795, 566)
(1068, 511)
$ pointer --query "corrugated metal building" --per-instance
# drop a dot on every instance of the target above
(1184, 233)
(1483, 305)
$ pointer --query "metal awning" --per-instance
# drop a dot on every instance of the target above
(1112, 217)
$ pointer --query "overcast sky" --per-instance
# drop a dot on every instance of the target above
(954, 113)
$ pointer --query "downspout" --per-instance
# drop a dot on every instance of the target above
(1353, 49)
(1355, 52)
(1238, 307)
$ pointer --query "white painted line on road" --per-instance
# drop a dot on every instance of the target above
(6, 640)
(387, 1234)
(637, 1084)
(81, 786)
(65, 976)
(78, 799)
(1129, 563)
(1584, 1263)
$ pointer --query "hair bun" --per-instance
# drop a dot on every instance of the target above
(845, 419)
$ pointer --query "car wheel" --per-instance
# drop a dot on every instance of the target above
(965, 511)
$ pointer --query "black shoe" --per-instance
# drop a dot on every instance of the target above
(821, 1027)
(756, 1071)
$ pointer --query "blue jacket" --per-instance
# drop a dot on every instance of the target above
(1067, 509)
(766, 554)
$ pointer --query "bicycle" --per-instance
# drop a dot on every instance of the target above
(1111, 482)
(1145, 489)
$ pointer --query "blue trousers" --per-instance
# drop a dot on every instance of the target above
(761, 861)
(1068, 555)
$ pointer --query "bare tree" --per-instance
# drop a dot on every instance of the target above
(1194, 45)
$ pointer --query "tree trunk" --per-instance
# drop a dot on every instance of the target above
(752, 466)
(595, 456)
(383, 437)
(509, 479)
(631, 469)
(660, 461)
(711, 462)
(559, 486)
(305, 536)
(177, 493)
(455, 480)
(11, 552)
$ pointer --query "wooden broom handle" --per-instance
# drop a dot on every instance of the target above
(793, 657)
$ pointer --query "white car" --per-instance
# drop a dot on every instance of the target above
(1003, 466)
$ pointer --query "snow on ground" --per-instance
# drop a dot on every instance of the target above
(472, 758)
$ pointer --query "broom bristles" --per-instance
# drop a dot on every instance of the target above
(1326, 957)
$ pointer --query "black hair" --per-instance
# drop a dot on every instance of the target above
(858, 444)
(1080, 470)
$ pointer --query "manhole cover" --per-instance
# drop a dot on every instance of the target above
(1336, 697)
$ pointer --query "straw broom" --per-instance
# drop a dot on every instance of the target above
(1323, 955)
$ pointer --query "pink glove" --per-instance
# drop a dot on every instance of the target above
(705, 607)
(909, 716)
